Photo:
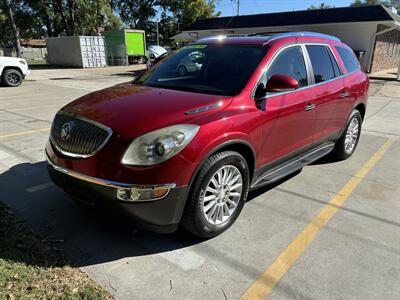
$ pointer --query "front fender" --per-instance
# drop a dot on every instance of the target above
(216, 135)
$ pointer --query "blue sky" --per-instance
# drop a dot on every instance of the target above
(228, 7)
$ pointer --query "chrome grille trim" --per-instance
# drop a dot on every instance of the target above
(78, 141)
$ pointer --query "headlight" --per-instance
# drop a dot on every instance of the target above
(160, 145)
(22, 62)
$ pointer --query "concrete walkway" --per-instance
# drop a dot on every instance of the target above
(390, 74)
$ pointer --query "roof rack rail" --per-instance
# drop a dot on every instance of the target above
(222, 35)
(304, 33)
(274, 35)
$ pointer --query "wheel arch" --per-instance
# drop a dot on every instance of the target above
(12, 68)
(361, 108)
(241, 146)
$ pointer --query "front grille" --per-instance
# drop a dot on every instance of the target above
(78, 137)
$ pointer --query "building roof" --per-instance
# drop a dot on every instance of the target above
(33, 42)
(324, 16)
(262, 40)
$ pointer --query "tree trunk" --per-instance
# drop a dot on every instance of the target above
(58, 9)
(14, 26)
(71, 9)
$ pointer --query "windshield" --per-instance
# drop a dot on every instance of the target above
(210, 69)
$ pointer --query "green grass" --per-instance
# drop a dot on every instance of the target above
(37, 62)
(31, 268)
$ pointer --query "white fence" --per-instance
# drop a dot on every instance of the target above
(27, 53)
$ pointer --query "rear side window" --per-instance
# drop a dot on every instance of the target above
(334, 62)
(290, 62)
(349, 59)
(323, 63)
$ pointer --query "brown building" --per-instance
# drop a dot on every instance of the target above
(374, 30)
(386, 54)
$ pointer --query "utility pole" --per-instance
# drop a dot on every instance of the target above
(14, 26)
(238, 7)
(158, 35)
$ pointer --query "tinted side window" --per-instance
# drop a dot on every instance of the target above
(349, 59)
(290, 62)
(321, 63)
(335, 65)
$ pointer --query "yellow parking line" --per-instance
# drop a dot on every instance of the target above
(3, 110)
(263, 286)
(23, 133)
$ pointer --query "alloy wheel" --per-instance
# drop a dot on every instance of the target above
(352, 135)
(222, 195)
(13, 78)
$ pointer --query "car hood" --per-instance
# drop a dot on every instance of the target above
(158, 50)
(14, 60)
(131, 110)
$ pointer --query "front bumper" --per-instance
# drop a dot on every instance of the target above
(162, 215)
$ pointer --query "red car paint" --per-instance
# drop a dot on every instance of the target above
(271, 133)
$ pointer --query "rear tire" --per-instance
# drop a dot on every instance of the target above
(348, 142)
(217, 195)
(12, 78)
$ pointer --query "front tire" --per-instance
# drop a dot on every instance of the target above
(12, 78)
(218, 195)
(348, 142)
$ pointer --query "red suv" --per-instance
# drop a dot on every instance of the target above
(186, 141)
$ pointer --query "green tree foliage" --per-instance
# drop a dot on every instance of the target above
(181, 14)
(51, 18)
(321, 6)
(172, 15)
(387, 3)
(5, 27)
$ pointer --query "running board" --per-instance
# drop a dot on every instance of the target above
(292, 166)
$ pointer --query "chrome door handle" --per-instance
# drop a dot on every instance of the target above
(344, 95)
(310, 106)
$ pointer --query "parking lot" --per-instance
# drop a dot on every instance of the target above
(331, 231)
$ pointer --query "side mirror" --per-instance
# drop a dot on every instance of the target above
(279, 83)
(260, 92)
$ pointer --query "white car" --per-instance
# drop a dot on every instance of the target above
(190, 64)
(13, 71)
(155, 51)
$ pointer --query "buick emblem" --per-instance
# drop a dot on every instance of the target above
(66, 131)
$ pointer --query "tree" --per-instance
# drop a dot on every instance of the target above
(52, 18)
(9, 9)
(186, 13)
(5, 27)
(137, 13)
(387, 3)
(321, 6)
(172, 15)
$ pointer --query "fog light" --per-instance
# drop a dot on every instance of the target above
(128, 194)
(142, 194)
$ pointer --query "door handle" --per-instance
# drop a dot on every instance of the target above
(344, 95)
(309, 107)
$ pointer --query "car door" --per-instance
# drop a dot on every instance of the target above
(328, 91)
(1, 67)
(288, 116)
(354, 84)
